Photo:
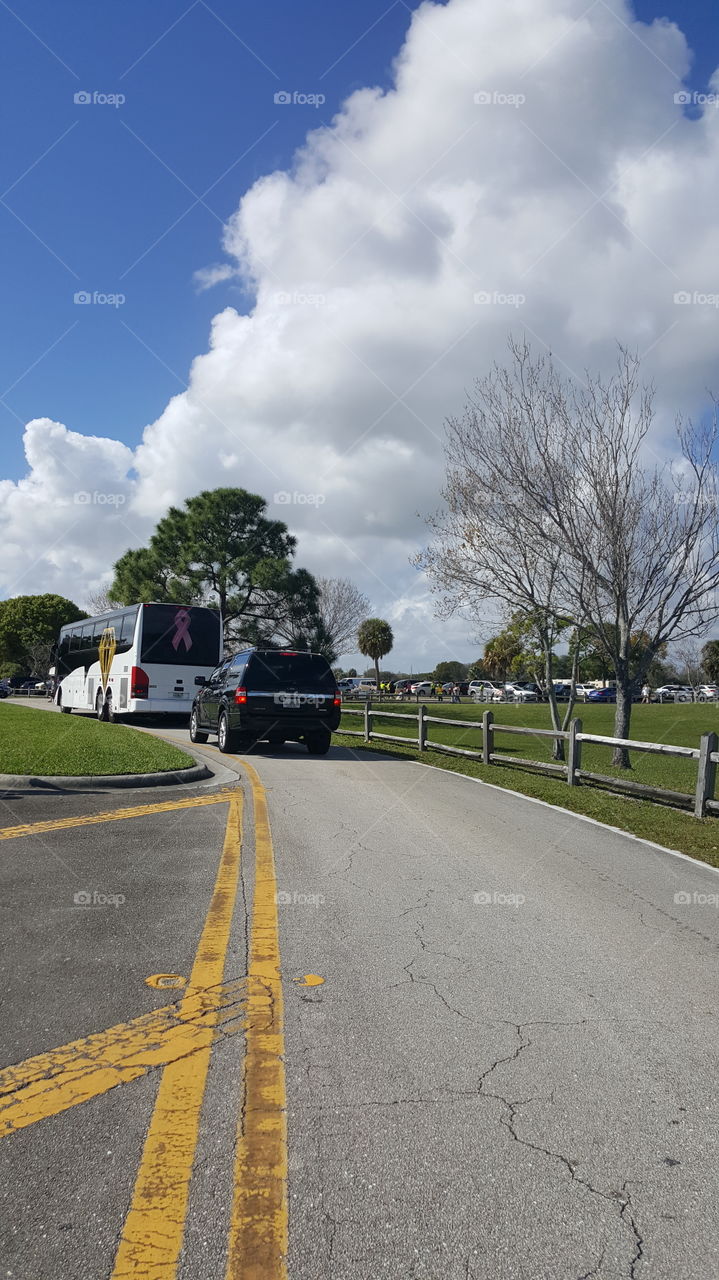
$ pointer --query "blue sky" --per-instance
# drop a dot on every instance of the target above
(90, 188)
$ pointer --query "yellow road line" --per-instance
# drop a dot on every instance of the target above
(258, 1229)
(154, 1226)
(66, 1077)
(113, 815)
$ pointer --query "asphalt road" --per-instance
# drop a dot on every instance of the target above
(508, 1069)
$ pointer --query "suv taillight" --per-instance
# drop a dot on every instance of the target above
(337, 699)
(240, 694)
(139, 683)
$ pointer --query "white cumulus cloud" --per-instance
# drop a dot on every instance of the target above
(530, 170)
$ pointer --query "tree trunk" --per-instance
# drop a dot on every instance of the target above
(622, 718)
(557, 743)
(376, 674)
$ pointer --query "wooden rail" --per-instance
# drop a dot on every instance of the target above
(702, 802)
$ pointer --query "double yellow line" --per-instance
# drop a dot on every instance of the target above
(179, 1039)
(154, 1227)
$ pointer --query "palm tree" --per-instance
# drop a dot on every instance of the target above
(374, 640)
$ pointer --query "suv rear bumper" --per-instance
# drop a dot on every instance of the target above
(296, 726)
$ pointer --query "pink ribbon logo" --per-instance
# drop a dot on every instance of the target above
(182, 633)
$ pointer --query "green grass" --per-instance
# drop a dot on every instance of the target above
(37, 742)
(681, 724)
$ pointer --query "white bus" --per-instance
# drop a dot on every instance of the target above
(141, 659)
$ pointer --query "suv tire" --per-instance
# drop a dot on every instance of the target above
(225, 737)
(196, 734)
(318, 744)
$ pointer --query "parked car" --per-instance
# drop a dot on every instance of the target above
(707, 692)
(401, 686)
(278, 695)
(608, 694)
(583, 691)
(360, 687)
(5, 688)
(523, 691)
(561, 689)
(674, 693)
(422, 687)
(483, 690)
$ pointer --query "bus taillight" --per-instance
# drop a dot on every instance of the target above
(139, 683)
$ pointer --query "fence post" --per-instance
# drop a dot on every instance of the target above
(421, 727)
(706, 774)
(574, 752)
(367, 720)
(487, 719)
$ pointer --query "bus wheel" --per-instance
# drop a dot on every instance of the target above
(101, 708)
(66, 711)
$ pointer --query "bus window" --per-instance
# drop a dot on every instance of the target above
(173, 635)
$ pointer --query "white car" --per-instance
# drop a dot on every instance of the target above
(360, 688)
(674, 693)
(707, 692)
(521, 691)
(582, 690)
(422, 687)
(484, 691)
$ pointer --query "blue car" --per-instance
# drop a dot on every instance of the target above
(602, 695)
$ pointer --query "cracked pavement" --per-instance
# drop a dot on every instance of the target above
(509, 1071)
(484, 1088)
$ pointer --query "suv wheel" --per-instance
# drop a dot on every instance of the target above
(196, 734)
(225, 738)
(318, 744)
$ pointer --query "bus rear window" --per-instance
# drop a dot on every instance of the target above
(179, 636)
(273, 670)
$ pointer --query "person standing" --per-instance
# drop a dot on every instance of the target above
(646, 693)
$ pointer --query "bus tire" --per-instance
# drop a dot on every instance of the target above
(196, 734)
(101, 708)
(66, 711)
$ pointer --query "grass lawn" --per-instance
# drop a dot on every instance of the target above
(681, 724)
(42, 743)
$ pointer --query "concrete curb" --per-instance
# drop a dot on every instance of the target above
(108, 782)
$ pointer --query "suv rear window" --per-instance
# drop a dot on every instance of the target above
(273, 670)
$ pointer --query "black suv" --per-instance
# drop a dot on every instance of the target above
(276, 694)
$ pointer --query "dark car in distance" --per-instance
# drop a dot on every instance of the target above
(277, 695)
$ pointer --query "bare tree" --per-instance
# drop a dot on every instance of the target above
(550, 502)
(343, 608)
(100, 602)
(690, 657)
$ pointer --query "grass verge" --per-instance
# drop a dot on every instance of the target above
(35, 742)
(682, 724)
